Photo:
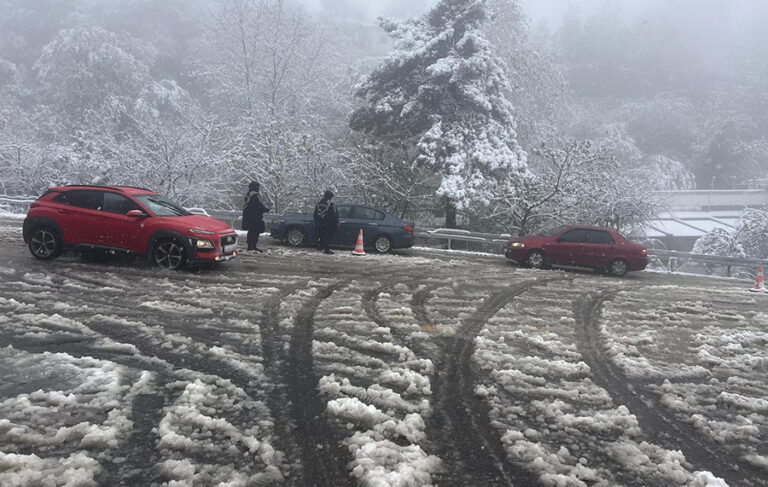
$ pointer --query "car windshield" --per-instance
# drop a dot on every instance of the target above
(551, 232)
(161, 206)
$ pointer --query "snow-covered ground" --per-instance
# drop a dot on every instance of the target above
(296, 368)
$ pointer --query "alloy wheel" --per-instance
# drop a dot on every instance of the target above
(382, 245)
(295, 237)
(169, 255)
(618, 268)
(43, 243)
(536, 259)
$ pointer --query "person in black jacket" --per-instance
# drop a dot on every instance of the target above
(326, 220)
(253, 216)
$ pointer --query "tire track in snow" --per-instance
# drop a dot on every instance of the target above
(323, 455)
(461, 420)
(139, 449)
(658, 423)
(312, 437)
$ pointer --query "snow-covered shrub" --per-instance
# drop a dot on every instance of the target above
(718, 242)
(752, 232)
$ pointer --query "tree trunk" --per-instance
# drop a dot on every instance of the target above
(450, 214)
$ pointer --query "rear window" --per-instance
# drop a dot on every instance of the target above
(599, 237)
(368, 213)
(81, 198)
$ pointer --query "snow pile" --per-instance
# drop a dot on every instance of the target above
(382, 463)
(80, 405)
(706, 479)
(377, 387)
(206, 421)
(76, 470)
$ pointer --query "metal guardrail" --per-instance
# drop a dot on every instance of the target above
(455, 239)
(675, 261)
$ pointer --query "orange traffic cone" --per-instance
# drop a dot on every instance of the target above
(759, 282)
(359, 245)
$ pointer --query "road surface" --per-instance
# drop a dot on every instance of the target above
(420, 368)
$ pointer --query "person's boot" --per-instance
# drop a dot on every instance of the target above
(258, 250)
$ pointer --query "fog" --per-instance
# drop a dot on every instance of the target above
(164, 94)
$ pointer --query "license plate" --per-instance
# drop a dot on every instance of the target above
(228, 249)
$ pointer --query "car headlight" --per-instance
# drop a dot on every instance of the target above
(517, 245)
(204, 244)
(197, 231)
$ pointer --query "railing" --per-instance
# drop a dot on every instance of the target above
(674, 261)
(455, 239)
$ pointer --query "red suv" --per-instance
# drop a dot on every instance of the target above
(599, 248)
(124, 220)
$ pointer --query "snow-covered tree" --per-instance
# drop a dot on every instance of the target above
(86, 70)
(384, 175)
(264, 70)
(752, 232)
(537, 88)
(443, 87)
(718, 242)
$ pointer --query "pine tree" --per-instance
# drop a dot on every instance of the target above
(443, 88)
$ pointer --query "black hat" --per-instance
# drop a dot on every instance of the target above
(254, 186)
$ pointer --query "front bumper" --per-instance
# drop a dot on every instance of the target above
(225, 248)
(516, 254)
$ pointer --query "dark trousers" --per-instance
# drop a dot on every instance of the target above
(253, 238)
(325, 233)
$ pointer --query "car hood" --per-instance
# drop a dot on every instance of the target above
(200, 222)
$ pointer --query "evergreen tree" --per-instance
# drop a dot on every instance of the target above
(443, 88)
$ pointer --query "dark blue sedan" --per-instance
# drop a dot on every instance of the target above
(381, 231)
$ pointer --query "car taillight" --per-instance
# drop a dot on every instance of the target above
(644, 252)
(408, 228)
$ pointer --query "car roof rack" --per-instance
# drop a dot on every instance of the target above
(110, 186)
(137, 187)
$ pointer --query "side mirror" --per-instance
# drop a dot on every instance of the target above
(137, 214)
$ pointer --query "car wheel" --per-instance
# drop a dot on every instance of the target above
(45, 243)
(382, 244)
(295, 236)
(536, 259)
(618, 267)
(170, 254)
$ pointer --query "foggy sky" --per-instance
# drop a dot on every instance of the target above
(550, 13)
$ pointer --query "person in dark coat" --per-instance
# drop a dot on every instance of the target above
(326, 220)
(253, 216)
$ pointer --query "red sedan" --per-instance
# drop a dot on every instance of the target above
(582, 246)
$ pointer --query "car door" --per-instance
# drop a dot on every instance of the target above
(79, 216)
(567, 247)
(343, 234)
(599, 248)
(368, 220)
(118, 229)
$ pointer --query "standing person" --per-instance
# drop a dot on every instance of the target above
(326, 220)
(253, 216)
